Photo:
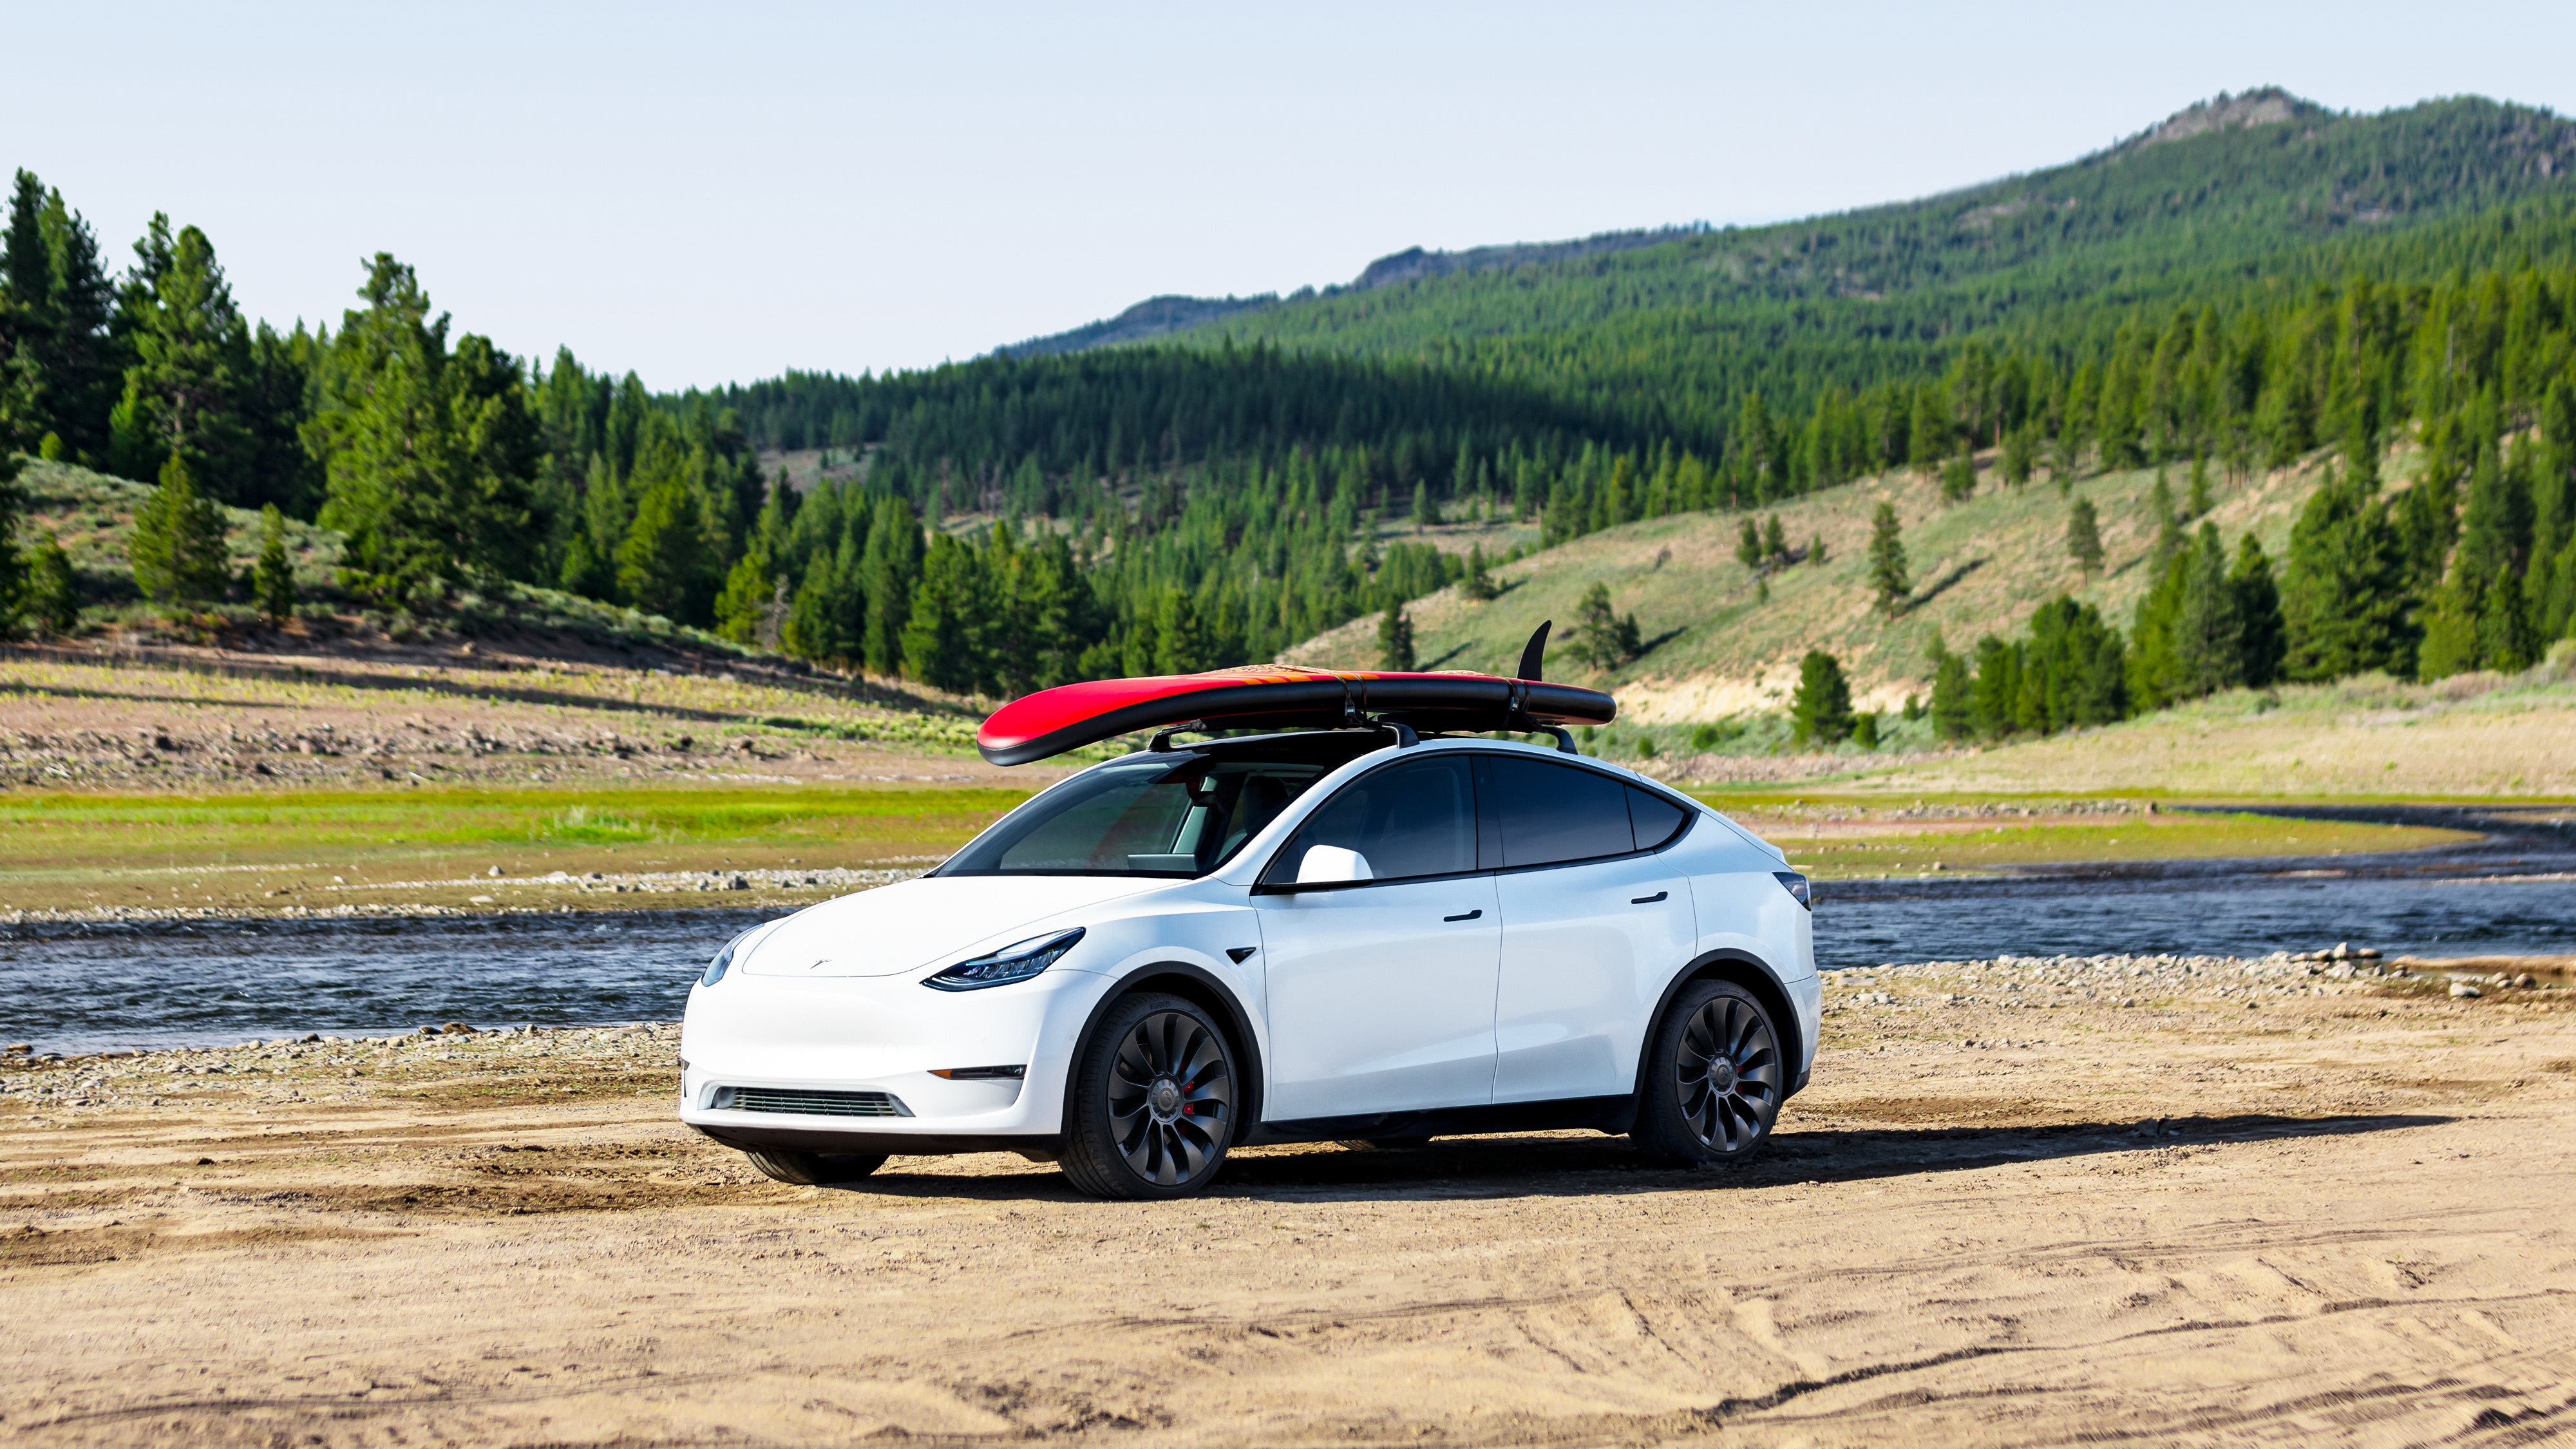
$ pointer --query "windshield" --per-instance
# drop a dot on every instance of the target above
(1154, 818)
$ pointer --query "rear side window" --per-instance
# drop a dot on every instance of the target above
(1407, 820)
(1653, 818)
(1554, 813)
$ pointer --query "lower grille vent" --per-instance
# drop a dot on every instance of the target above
(808, 1102)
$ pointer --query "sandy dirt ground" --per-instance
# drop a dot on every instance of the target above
(2024, 1203)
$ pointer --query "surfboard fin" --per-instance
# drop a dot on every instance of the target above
(1534, 652)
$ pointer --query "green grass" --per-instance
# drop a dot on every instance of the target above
(73, 850)
(1856, 850)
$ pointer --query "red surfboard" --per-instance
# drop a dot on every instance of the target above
(1280, 696)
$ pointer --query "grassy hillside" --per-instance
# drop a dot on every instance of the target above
(92, 515)
(1980, 567)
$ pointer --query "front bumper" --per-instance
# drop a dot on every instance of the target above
(888, 1034)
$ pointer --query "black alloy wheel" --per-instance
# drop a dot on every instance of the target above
(1713, 1078)
(1153, 1101)
(812, 1169)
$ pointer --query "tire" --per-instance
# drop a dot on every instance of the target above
(1713, 1077)
(812, 1169)
(1153, 1101)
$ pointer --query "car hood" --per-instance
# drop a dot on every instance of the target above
(927, 922)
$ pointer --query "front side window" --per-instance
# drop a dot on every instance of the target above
(1153, 818)
(1405, 821)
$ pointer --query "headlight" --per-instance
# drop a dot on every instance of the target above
(723, 961)
(1011, 963)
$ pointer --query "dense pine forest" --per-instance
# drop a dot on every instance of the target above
(2251, 283)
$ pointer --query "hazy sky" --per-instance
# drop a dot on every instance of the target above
(720, 192)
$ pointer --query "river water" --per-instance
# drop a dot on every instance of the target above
(93, 986)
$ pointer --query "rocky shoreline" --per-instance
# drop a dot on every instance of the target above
(2006, 983)
(307, 1068)
(794, 885)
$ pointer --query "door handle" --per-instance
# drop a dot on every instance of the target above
(1471, 915)
(1648, 900)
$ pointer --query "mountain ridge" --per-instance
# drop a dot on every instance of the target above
(2266, 166)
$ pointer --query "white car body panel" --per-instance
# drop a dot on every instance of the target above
(1583, 962)
(927, 922)
(1425, 1037)
(1355, 1000)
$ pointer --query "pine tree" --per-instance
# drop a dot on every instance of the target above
(665, 566)
(2020, 454)
(888, 572)
(2200, 503)
(2344, 595)
(1601, 637)
(2208, 631)
(2258, 611)
(272, 579)
(177, 548)
(1775, 540)
(1888, 581)
(2361, 452)
(1395, 641)
(2160, 513)
(939, 643)
(2506, 641)
(742, 606)
(52, 591)
(1928, 436)
(1953, 702)
(1820, 709)
(1996, 691)
(1816, 550)
(2084, 538)
(1478, 586)
(1748, 544)
(429, 454)
(192, 374)
(2065, 452)
(1959, 478)
(55, 314)
(2450, 624)
(1181, 642)
(2496, 523)
(14, 566)
(1424, 514)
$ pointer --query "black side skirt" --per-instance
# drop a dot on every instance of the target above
(1600, 1114)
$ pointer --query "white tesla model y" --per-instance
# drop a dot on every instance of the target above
(1355, 932)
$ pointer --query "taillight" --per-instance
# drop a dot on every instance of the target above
(1796, 885)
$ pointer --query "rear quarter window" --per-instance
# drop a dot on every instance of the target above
(1652, 819)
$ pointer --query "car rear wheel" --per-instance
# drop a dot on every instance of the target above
(812, 1169)
(1153, 1101)
(1713, 1077)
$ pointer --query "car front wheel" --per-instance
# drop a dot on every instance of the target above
(1713, 1077)
(1154, 1099)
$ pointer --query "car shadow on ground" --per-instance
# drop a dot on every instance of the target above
(1560, 1166)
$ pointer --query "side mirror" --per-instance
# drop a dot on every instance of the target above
(1331, 865)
